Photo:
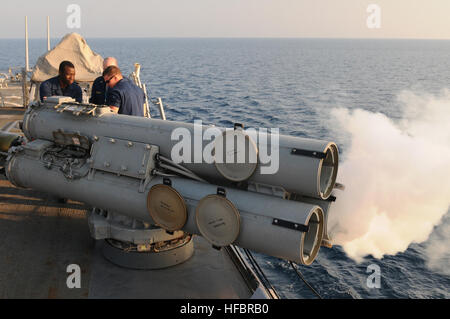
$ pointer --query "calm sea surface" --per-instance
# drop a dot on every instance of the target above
(290, 84)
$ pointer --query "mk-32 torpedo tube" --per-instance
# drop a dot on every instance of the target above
(145, 198)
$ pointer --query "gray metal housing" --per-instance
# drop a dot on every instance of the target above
(263, 218)
(306, 166)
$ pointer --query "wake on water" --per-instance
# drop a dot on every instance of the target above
(397, 178)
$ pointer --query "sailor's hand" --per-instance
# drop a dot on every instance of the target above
(114, 109)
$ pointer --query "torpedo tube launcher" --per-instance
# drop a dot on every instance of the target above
(122, 164)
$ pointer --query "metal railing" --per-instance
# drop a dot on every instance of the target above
(136, 77)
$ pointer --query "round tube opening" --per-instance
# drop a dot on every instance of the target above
(328, 171)
(313, 238)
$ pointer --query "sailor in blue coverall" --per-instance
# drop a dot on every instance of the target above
(124, 97)
(62, 85)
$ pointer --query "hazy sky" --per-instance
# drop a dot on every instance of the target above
(230, 18)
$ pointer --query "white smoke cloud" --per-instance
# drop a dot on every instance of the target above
(397, 177)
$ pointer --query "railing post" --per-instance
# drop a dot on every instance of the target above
(26, 97)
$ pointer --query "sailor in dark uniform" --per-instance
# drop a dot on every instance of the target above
(99, 88)
(62, 85)
(124, 97)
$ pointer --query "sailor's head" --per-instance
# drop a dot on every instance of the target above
(112, 75)
(109, 61)
(67, 72)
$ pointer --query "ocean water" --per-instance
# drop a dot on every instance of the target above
(293, 85)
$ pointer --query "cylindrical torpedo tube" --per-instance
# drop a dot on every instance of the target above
(304, 166)
(326, 206)
(273, 226)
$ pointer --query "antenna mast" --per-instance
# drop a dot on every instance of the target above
(27, 65)
(48, 33)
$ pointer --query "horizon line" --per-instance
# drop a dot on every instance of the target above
(249, 37)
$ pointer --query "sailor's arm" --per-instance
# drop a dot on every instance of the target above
(78, 94)
(98, 89)
(114, 109)
(114, 101)
(45, 90)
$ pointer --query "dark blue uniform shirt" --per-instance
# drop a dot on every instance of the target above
(51, 87)
(98, 95)
(128, 97)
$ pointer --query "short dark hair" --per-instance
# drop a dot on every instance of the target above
(64, 64)
(112, 70)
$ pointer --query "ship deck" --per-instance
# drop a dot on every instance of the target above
(11, 94)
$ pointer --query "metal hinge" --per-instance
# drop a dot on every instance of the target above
(315, 154)
(290, 225)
